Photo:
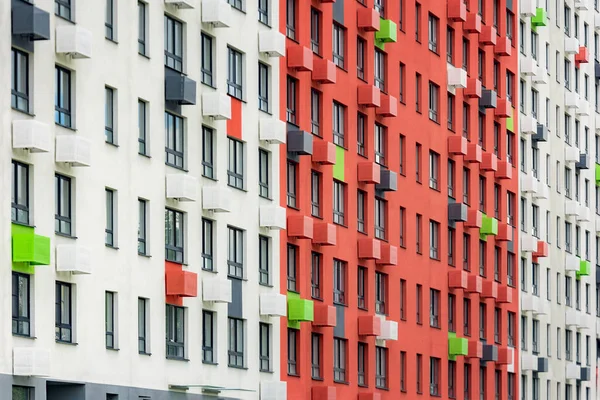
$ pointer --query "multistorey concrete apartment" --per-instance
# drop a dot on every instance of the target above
(149, 130)
(558, 41)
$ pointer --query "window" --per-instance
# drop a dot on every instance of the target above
(174, 235)
(434, 170)
(451, 246)
(291, 184)
(434, 240)
(339, 198)
(62, 214)
(208, 333)
(403, 371)
(339, 360)
(234, 76)
(292, 99)
(263, 87)
(20, 80)
(235, 255)
(315, 357)
(173, 44)
(207, 245)
(263, 11)
(361, 45)
(63, 315)
(402, 227)
(315, 112)
(265, 347)
(403, 299)
(263, 173)
(142, 222)
(109, 230)
(315, 30)
(380, 292)
(235, 166)
(379, 6)
(292, 267)
(174, 142)
(109, 20)
(315, 275)
(418, 235)
(361, 285)
(291, 19)
(339, 119)
(419, 304)
(417, 22)
(62, 8)
(339, 282)
(467, 316)
(451, 178)
(207, 60)
(466, 183)
(339, 45)
(109, 318)
(362, 364)
(434, 308)
(511, 328)
(434, 23)
(380, 144)
(380, 63)
(402, 82)
(380, 218)
(142, 28)
(235, 349)
(22, 393)
(450, 112)
(62, 99)
(142, 128)
(264, 267)
(418, 92)
(452, 379)
(360, 211)
(143, 347)
(20, 193)
(434, 376)
(21, 304)
(449, 45)
(419, 373)
(451, 312)
(418, 152)
(381, 356)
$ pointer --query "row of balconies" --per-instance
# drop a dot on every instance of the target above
(540, 248)
(458, 145)
(457, 79)
(573, 371)
(474, 349)
(487, 289)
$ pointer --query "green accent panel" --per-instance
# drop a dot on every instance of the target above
(597, 174)
(489, 226)
(299, 309)
(338, 168)
(457, 346)
(510, 124)
(540, 18)
(24, 268)
(27, 247)
(584, 269)
(387, 33)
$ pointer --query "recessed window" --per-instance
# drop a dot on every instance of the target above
(235, 74)
(315, 275)
(207, 60)
(315, 30)
(62, 99)
(109, 316)
(434, 102)
(434, 28)
(237, 4)
(380, 292)
(20, 193)
(235, 351)
(292, 186)
(291, 19)
(339, 282)
(173, 44)
(292, 100)
(380, 63)
(62, 8)
(360, 211)
(315, 355)
(292, 350)
(263, 87)
(174, 143)
(142, 128)
(434, 240)
(22, 393)
(339, 122)
(142, 28)
(380, 218)
(361, 45)
(263, 173)
(339, 202)
(208, 333)
(62, 214)
(339, 45)
(109, 29)
(315, 194)
(21, 304)
(174, 236)
(263, 11)
(315, 112)
(264, 261)
(63, 313)
(264, 339)
(143, 319)
(142, 222)
(361, 286)
(380, 144)
(175, 331)
(207, 245)
(361, 127)
(235, 167)
(434, 170)
(235, 257)
(19, 80)
(292, 267)
(381, 366)
(339, 359)
(109, 230)
(208, 161)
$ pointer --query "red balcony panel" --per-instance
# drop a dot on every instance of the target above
(389, 106)
(324, 234)
(488, 35)
(505, 294)
(505, 356)
(505, 232)
(367, 19)
(503, 109)
(457, 144)
(324, 315)
(457, 279)
(300, 226)
(473, 23)
(490, 290)
(368, 172)
(474, 219)
(369, 96)
(369, 325)
(474, 153)
(474, 284)
(299, 58)
(457, 10)
(503, 47)
(324, 71)
(489, 162)
(369, 396)
(504, 170)
(181, 283)
(323, 152)
(475, 349)
(389, 255)
(583, 56)
(473, 89)
(369, 249)
(323, 393)
(542, 249)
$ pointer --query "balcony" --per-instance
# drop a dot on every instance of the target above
(529, 362)
(572, 318)
(505, 356)
(369, 96)
(583, 109)
(474, 153)
(457, 11)
(527, 7)
(368, 172)
(475, 349)
(182, 4)
(542, 365)
(324, 152)
(571, 154)
(505, 232)
(389, 255)
(474, 284)
(299, 58)
(369, 325)
(571, 45)
(572, 208)
(488, 35)
(457, 346)
(388, 181)
(474, 219)
(528, 66)
(473, 23)
(572, 371)
(583, 5)
(74, 41)
(387, 33)
(273, 390)
(473, 90)
(504, 170)
(31, 361)
(504, 109)
(272, 217)
(582, 56)
(179, 89)
(543, 249)
(29, 21)
(584, 269)
(489, 290)
(489, 226)
(584, 162)
(457, 77)
(180, 283)
(528, 125)
(216, 105)
(217, 13)
(323, 393)
(271, 43)
(572, 263)
(489, 162)
(541, 135)
(324, 71)
(181, 187)
(272, 130)
(368, 19)
(372, 395)
(489, 99)
(369, 249)
(505, 294)
(597, 174)
(540, 18)
(324, 315)
(585, 374)
(216, 198)
(73, 258)
(584, 214)
(29, 248)
(389, 330)
(457, 279)
(32, 135)
(490, 353)
(457, 212)
(503, 47)
(324, 234)
(543, 191)
(529, 184)
(273, 305)
(300, 227)
(300, 143)
(389, 106)
(216, 290)
(73, 149)
(457, 145)
(541, 76)
(528, 243)
(299, 310)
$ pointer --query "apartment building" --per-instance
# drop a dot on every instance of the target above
(401, 188)
(557, 91)
(159, 157)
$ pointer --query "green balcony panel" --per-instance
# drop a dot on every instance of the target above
(597, 174)
(540, 18)
(457, 346)
(387, 33)
(510, 124)
(584, 269)
(489, 226)
(27, 247)
(338, 168)
(299, 310)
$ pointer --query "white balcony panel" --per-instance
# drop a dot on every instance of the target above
(541, 76)
(571, 154)
(597, 219)
(216, 290)
(528, 66)
(273, 390)
(218, 13)
(216, 198)
(272, 217)
(183, 4)
(571, 208)
(529, 183)
(389, 330)
(543, 191)
(31, 361)
(572, 263)
(528, 243)
(571, 45)
(216, 105)
(73, 149)
(273, 304)
(583, 109)
(572, 317)
(73, 258)
(596, 21)
(457, 77)
(583, 5)
(529, 362)
(272, 130)
(182, 187)
(528, 125)
(74, 41)
(529, 302)
(32, 135)
(584, 214)
(527, 8)
(572, 371)
(571, 100)
(272, 43)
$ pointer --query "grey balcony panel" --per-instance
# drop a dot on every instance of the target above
(300, 142)
(488, 99)
(457, 212)
(180, 89)
(597, 69)
(388, 181)
(597, 274)
(584, 161)
(541, 135)
(542, 364)
(30, 21)
(585, 374)
(490, 353)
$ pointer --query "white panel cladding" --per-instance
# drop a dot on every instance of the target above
(527, 7)
(540, 76)
(218, 13)
(216, 290)
(572, 317)
(571, 263)
(183, 4)
(457, 77)
(74, 40)
(542, 191)
(271, 42)
(73, 149)
(583, 109)
(571, 45)
(73, 258)
(528, 243)
(529, 362)
(216, 198)
(528, 124)
(272, 217)
(571, 100)
(272, 130)
(584, 213)
(273, 390)
(572, 371)
(31, 361)
(32, 135)
(571, 154)
(182, 187)
(216, 105)
(529, 302)
(571, 208)
(528, 66)
(389, 330)
(273, 304)
(529, 183)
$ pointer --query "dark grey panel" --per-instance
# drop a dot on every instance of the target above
(541, 135)
(340, 330)
(235, 309)
(597, 274)
(597, 69)
(457, 212)
(180, 89)
(586, 374)
(488, 99)
(62, 391)
(388, 181)
(300, 142)
(542, 364)
(510, 246)
(29, 21)
(338, 11)
(584, 161)
(490, 353)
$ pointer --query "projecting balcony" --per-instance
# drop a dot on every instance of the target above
(182, 4)
(582, 56)
(583, 5)
(324, 71)
(529, 183)
(73, 40)
(300, 143)
(457, 145)
(273, 390)
(217, 13)
(505, 356)
(369, 96)
(29, 248)
(541, 135)
(571, 45)
(368, 19)
(300, 227)
(504, 170)
(272, 130)
(490, 353)
(388, 181)
(572, 208)
(457, 212)
(389, 255)
(389, 330)
(73, 149)
(503, 47)
(324, 152)
(324, 234)
(457, 77)
(503, 109)
(31, 361)
(325, 315)
(300, 310)
(489, 99)
(181, 187)
(73, 258)
(489, 290)
(457, 346)
(473, 23)
(389, 106)
(488, 35)
(271, 43)
(31, 135)
(272, 217)
(369, 249)
(474, 219)
(528, 66)
(458, 279)
(216, 198)
(528, 243)
(505, 294)
(473, 89)
(540, 76)
(584, 214)
(299, 58)
(505, 232)
(368, 172)
(273, 305)
(179, 88)
(181, 283)
(216, 290)
(572, 371)
(323, 393)
(571, 154)
(216, 105)
(529, 302)
(583, 109)
(572, 263)
(572, 318)
(457, 10)
(474, 284)
(527, 7)
(540, 18)
(528, 124)
(369, 325)
(474, 153)
(529, 362)
(543, 249)
(29, 21)
(475, 349)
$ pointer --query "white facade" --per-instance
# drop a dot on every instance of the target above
(95, 63)
(558, 199)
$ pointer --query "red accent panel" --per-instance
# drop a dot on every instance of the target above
(389, 255)
(457, 145)
(324, 393)
(299, 58)
(505, 232)
(324, 315)
(368, 172)
(300, 226)
(504, 170)
(323, 152)
(179, 283)
(503, 47)
(474, 219)
(369, 325)
(542, 249)
(369, 396)
(474, 284)
(488, 35)
(475, 349)
(325, 234)
(369, 249)
(490, 289)
(474, 153)
(505, 294)
(489, 162)
(583, 57)
(457, 279)
(473, 89)
(369, 96)
(503, 109)
(324, 71)
(389, 106)
(457, 10)
(505, 356)
(234, 125)
(473, 23)
(367, 19)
